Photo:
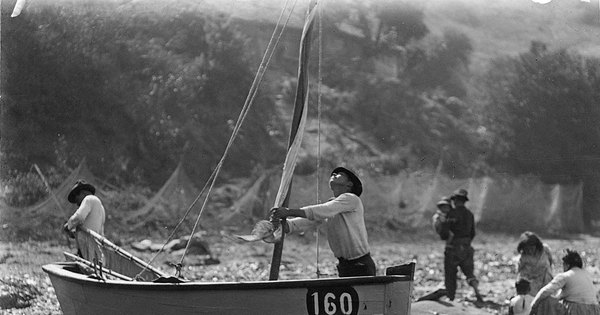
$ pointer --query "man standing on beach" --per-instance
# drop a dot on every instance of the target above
(458, 231)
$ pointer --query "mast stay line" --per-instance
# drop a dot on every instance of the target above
(266, 59)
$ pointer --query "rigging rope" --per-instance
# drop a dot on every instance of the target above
(241, 118)
(269, 51)
(320, 81)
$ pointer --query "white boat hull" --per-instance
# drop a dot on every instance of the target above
(81, 294)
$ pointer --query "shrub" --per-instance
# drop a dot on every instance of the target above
(24, 189)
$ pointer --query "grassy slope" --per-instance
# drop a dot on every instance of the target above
(499, 27)
(506, 27)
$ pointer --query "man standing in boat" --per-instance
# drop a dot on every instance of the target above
(90, 212)
(343, 216)
(458, 230)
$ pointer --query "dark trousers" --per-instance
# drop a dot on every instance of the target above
(361, 266)
(458, 256)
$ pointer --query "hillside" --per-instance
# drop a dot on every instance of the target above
(497, 28)
(506, 27)
(493, 28)
(159, 72)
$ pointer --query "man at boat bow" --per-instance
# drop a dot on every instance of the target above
(343, 217)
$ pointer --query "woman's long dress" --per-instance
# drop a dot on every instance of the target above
(536, 269)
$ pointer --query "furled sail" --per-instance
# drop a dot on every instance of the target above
(296, 132)
(266, 230)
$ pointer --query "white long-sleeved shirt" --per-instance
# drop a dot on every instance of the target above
(575, 285)
(521, 304)
(90, 214)
(343, 217)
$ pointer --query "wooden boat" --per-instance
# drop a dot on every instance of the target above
(124, 284)
(86, 288)
(81, 293)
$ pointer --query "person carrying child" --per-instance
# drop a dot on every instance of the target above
(457, 228)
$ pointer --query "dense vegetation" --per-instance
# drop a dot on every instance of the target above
(129, 91)
(541, 110)
(136, 89)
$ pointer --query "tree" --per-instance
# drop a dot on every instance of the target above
(192, 88)
(53, 97)
(542, 105)
(441, 63)
(128, 88)
(420, 106)
(548, 102)
(379, 25)
(369, 32)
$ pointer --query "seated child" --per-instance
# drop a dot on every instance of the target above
(521, 303)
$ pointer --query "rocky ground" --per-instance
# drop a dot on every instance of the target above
(25, 289)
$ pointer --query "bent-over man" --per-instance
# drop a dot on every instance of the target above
(90, 212)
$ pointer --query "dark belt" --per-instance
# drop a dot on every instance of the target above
(342, 259)
(461, 241)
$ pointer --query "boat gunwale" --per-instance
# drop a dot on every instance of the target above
(59, 270)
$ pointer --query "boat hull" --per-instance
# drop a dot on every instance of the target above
(81, 294)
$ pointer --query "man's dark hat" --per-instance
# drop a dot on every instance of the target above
(356, 184)
(79, 186)
(460, 194)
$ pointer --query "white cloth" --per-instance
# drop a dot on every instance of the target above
(438, 220)
(575, 286)
(521, 304)
(343, 217)
(90, 214)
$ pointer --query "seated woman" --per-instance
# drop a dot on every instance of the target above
(535, 262)
(577, 292)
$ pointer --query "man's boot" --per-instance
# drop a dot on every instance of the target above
(475, 284)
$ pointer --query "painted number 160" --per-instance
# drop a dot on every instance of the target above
(332, 301)
(331, 304)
